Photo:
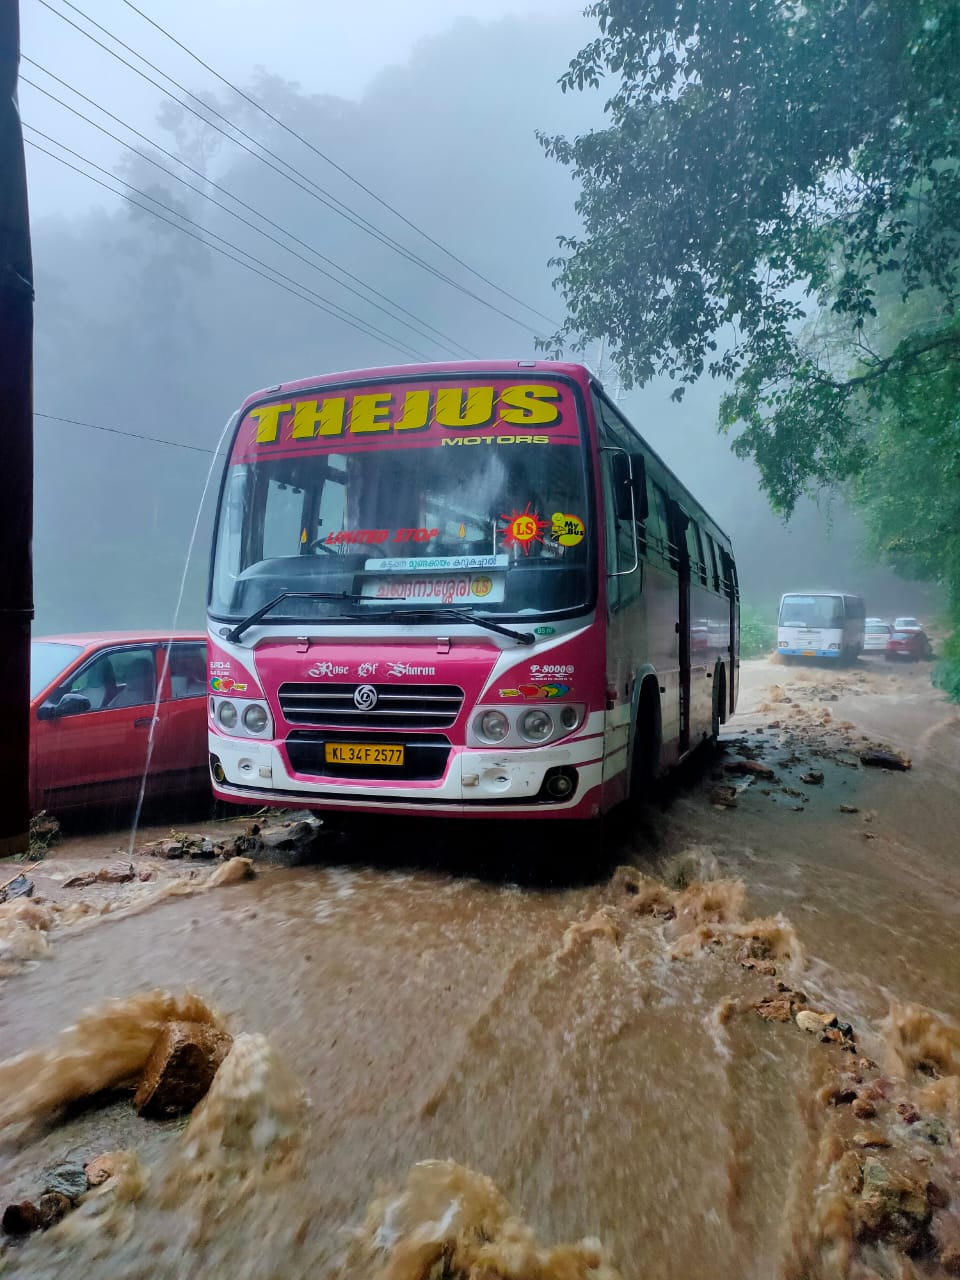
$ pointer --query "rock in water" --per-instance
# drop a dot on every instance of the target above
(752, 767)
(884, 759)
(180, 1069)
(20, 1219)
(116, 873)
(68, 1180)
(54, 1207)
(101, 1168)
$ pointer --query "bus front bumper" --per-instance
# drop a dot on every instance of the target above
(475, 783)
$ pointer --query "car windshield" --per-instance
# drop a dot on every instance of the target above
(491, 517)
(878, 627)
(811, 611)
(47, 659)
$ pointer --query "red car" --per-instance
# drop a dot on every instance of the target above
(908, 644)
(93, 704)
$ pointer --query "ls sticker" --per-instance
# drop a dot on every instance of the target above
(536, 691)
(522, 528)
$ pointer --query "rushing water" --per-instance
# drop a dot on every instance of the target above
(580, 1062)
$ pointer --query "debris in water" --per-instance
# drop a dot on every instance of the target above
(18, 886)
(105, 1048)
(453, 1223)
(894, 1207)
(180, 1068)
(884, 759)
(108, 1209)
(812, 779)
(918, 1040)
(723, 797)
(849, 808)
(945, 1229)
(44, 832)
(753, 767)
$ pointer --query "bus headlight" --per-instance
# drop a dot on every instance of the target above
(569, 718)
(255, 718)
(227, 715)
(492, 726)
(536, 725)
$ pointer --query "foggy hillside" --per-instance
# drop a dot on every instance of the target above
(142, 329)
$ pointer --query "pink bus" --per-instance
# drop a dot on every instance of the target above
(459, 589)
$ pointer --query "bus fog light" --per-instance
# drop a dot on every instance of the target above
(216, 768)
(560, 786)
(492, 726)
(536, 725)
(255, 718)
(227, 715)
(569, 718)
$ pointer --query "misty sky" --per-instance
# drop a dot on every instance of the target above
(325, 47)
(434, 104)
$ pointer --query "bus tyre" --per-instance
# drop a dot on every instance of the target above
(645, 764)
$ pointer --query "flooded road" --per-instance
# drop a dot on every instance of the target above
(589, 1044)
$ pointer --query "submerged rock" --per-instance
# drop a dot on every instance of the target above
(180, 1069)
(68, 1179)
(54, 1207)
(20, 1219)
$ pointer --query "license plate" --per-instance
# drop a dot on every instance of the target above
(809, 653)
(362, 753)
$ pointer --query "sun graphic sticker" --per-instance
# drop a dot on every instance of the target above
(522, 528)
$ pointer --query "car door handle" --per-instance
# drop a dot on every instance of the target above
(145, 722)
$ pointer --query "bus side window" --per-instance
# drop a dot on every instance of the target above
(671, 549)
(713, 562)
(695, 552)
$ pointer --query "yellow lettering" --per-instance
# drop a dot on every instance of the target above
(527, 404)
(452, 412)
(268, 421)
(309, 420)
(416, 411)
(371, 413)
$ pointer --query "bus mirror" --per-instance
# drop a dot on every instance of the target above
(622, 485)
(641, 506)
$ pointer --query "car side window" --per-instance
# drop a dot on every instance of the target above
(188, 670)
(119, 678)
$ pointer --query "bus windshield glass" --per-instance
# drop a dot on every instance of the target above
(423, 493)
(812, 611)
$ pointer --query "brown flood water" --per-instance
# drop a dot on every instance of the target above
(588, 1049)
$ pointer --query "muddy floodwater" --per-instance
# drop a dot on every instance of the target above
(580, 1050)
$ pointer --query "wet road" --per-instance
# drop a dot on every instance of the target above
(612, 1081)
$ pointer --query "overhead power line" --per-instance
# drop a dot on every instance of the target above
(453, 347)
(115, 431)
(333, 163)
(301, 180)
(298, 291)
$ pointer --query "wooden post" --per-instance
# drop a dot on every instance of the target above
(16, 450)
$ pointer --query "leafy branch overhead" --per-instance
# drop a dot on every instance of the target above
(774, 182)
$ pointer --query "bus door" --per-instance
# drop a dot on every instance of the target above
(680, 520)
(732, 591)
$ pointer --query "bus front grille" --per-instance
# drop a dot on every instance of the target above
(374, 706)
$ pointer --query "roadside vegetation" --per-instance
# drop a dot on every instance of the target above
(775, 201)
(757, 635)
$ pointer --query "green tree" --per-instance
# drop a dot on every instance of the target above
(764, 163)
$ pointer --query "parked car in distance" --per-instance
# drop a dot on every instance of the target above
(908, 644)
(906, 624)
(93, 706)
(876, 633)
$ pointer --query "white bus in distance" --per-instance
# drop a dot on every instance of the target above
(821, 624)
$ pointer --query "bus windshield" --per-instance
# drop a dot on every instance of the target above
(420, 494)
(811, 611)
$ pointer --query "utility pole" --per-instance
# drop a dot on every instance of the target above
(16, 450)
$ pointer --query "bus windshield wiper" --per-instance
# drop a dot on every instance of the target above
(234, 635)
(465, 615)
